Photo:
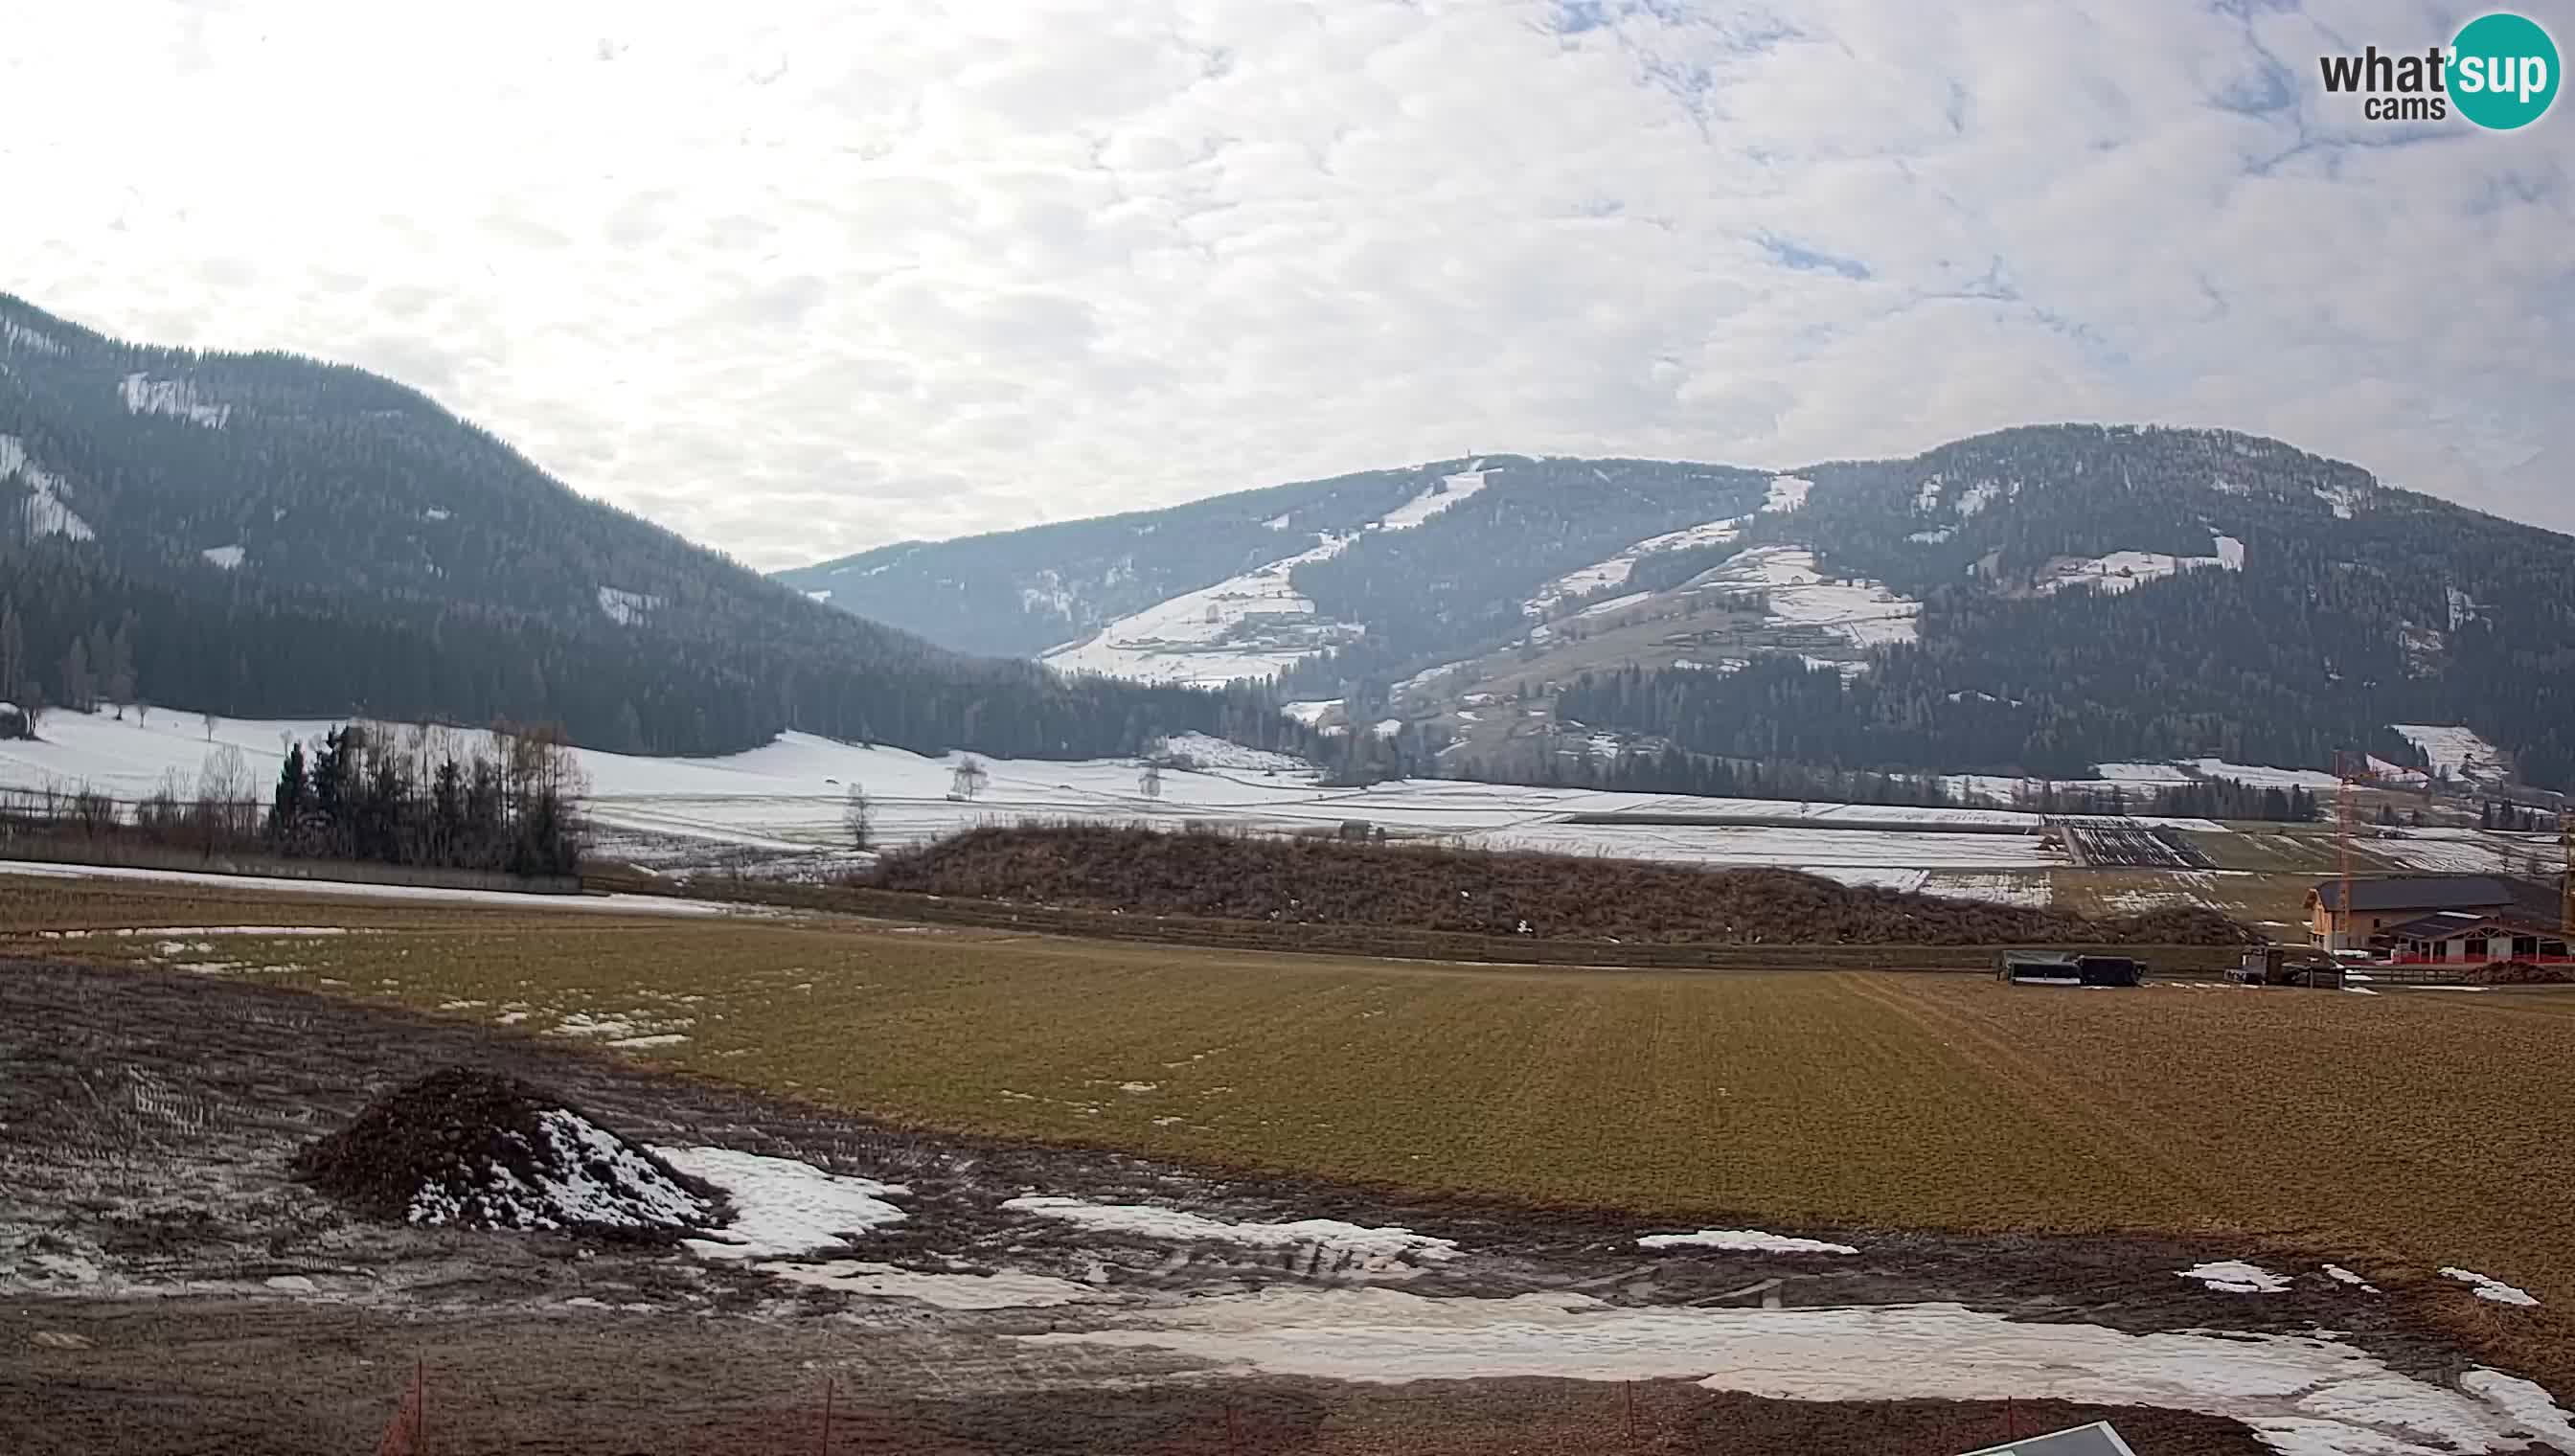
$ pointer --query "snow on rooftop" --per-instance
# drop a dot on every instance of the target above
(1977, 497)
(227, 557)
(2307, 1393)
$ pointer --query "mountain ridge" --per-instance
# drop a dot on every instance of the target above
(280, 536)
(2019, 563)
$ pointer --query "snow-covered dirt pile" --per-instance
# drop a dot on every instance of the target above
(469, 1149)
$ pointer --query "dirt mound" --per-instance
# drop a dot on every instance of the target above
(471, 1149)
(1330, 883)
(2523, 973)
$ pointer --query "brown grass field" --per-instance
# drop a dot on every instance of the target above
(2408, 1130)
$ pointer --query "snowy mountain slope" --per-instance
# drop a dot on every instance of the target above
(2074, 594)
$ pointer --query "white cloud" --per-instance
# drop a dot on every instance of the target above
(803, 278)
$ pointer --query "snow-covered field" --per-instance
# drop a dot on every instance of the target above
(2124, 570)
(787, 797)
(1865, 614)
(1614, 571)
(2454, 749)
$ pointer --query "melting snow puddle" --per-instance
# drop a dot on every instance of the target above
(1744, 1240)
(2234, 1276)
(2306, 1396)
(781, 1207)
(1337, 1245)
(2488, 1287)
(1008, 1289)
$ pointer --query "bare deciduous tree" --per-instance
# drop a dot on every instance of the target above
(859, 819)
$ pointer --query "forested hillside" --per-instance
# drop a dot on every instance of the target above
(2035, 600)
(268, 536)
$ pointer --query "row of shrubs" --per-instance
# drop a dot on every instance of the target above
(1232, 875)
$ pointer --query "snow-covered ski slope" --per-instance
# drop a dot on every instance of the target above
(1250, 626)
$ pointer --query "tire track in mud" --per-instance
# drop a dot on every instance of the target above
(2081, 1117)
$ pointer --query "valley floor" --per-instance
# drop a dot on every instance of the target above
(2028, 1180)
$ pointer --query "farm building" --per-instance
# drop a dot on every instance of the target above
(2380, 905)
(2472, 938)
(2096, 1439)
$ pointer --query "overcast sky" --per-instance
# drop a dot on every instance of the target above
(799, 279)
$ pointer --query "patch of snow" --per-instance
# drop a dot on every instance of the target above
(782, 1207)
(1378, 1249)
(1209, 751)
(1614, 571)
(1977, 497)
(2307, 1394)
(176, 398)
(43, 513)
(227, 557)
(1312, 711)
(2525, 1402)
(626, 608)
(291, 1284)
(1788, 494)
(35, 341)
(435, 512)
(2124, 570)
(1278, 521)
(2230, 553)
(1389, 727)
(1744, 1240)
(1251, 625)
(2341, 1276)
(2454, 749)
(1451, 491)
(2224, 487)
(825, 596)
(1865, 613)
(666, 1038)
(1932, 537)
(2340, 498)
(2488, 1287)
(1007, 1289)
(2265, 777)
(2463, 607)
(594, 1179)
(2234, 1276)
(1614, 603)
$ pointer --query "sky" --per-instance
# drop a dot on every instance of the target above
(798, 279)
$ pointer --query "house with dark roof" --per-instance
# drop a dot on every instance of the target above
(2391, 900)
(2472, 938)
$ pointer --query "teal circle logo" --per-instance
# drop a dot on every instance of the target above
(2503, 71)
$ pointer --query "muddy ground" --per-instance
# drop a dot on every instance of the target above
(166, 1286)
